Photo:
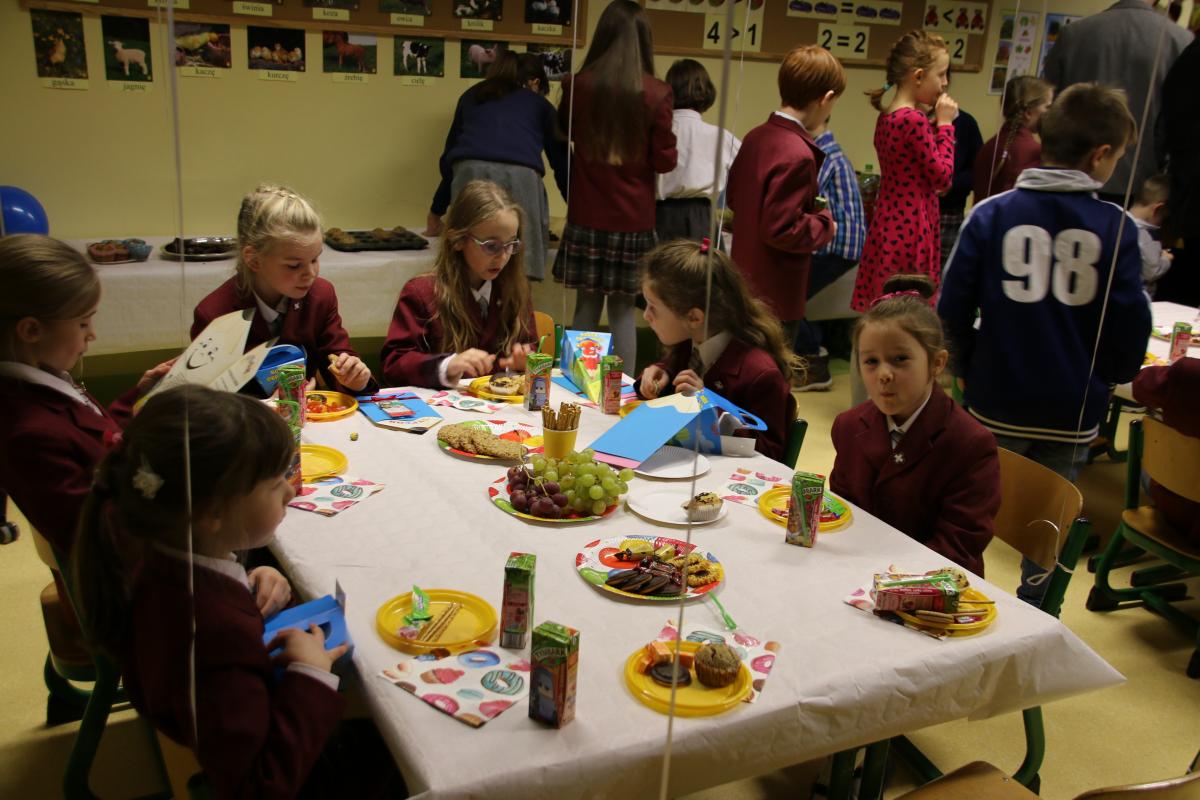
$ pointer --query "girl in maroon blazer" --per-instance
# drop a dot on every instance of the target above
(618, 117)
(909, 455)
(162, 593)
(473, 314)
(278, 263)
(737, 348)
(1014, 149)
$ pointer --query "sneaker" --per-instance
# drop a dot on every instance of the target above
(816, 378)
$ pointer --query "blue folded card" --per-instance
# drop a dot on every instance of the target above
(323, 612)
(279, 356)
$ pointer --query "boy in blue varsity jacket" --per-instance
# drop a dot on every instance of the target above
(1035, 262)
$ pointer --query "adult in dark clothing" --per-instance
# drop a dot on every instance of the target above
(967, 143)
(1179, 127)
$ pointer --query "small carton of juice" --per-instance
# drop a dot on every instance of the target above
(804, 509)
(1181, 339)
(611, 372)
(554, 659)
(517, 610)
(538, 367)
(933, 591)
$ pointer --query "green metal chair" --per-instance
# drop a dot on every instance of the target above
(1173, 461)
(795, 440)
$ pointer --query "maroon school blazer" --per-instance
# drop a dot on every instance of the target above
(1175, 390)
(312, 323)
(944, 492)
(413, 349)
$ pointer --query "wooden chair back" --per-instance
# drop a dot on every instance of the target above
(45, 550)
(545, 327)
(1184, 788)
(1037, 508)
(1171, 458)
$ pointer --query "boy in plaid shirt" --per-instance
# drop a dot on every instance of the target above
(839, 186)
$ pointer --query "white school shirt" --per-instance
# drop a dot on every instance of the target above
(272, 313)
(908, 423)
(696, 142)
(58, 381)
(483, 298)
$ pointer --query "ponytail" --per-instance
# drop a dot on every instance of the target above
(912, 51)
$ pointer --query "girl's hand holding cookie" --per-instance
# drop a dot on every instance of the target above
(470, 364)
(689, 382)
(350, 371)
(654, 378)
(515, 360)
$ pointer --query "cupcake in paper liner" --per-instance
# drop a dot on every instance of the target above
(717, 665)
(703, 507)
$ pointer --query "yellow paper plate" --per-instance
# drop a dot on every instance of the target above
(479, 388)
(630, 406)
(696, 700)
(835, 514)
(318, 461)
(348, 405)
(958, 628)
(474, 624)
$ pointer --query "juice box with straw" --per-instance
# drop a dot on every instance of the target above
(611, 369)
(517, 610)
(804, 509)
(289, 399)
(538, 367)
(554, 657)
(1181, 340)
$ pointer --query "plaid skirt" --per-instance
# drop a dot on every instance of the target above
(951, 222)
(601, 261)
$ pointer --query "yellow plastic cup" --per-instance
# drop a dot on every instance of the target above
(557, 444)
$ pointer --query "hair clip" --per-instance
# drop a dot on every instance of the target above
(112, 440)
(147, 481)
(704, 245)
(894, 295)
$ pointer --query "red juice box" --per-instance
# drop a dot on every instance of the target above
(938, 591)
(804, 509)
(517, 609)
(611, 372)
(554, 657)
(1181, 339)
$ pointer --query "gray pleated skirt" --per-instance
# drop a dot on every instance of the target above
(526, 187)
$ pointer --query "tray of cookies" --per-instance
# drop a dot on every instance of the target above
(397, 238)
(119, 251)
(200, 248)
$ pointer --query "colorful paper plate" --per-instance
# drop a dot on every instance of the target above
(479, 388)
(984, 615)
(474, 625)
(835, 514)
(671, 463)
(520, 432)
(630, 406)
(597, 560)
(318, 461)
(695, 700)
(347, 405)
(666, 506)
(498, 493)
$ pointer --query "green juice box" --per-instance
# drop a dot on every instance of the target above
(517, 610)
(804, 509)
(554, 660)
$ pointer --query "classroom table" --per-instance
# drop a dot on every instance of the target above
(148, 305)
(842, 677)
(1165, 316)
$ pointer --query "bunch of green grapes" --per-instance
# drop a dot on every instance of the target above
(577, 484)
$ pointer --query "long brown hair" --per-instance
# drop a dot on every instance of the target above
(477, 202)
(913, 51)
(510, 72)
(268, 214)
(678, 273)
(207, 448)
(621, 53)
(45, 279)
(1022, 94)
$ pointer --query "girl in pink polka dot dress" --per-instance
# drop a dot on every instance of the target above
(917, 161)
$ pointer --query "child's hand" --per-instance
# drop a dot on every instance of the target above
(1167, 255)
(688, 382)
(308, 648)
(271, 590)
(350, 371)
(654, 378)
(311, 386)
(946, 110)
(153, 375)
(433, 225)
(470, 364)
(516, 357)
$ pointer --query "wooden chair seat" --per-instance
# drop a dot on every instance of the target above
(976, 781)
(1149, 522)
(65, 639)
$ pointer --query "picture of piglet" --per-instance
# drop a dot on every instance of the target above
(481, 56)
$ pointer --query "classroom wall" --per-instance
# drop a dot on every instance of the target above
(103, 162)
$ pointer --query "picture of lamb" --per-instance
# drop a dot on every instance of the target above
(127, 48)
(127, 57)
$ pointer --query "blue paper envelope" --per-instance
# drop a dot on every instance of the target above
(324, 612)
(280, 356)
(676, 417)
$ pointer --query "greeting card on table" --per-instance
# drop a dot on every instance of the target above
(331, 496)
(473, 687)
(580, 361)
(758, 655)
(216, 359)
(399, 410)
(628, 395)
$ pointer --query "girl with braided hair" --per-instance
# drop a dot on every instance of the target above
(1014, 149)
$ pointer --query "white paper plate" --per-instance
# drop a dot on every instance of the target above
(672, 463)
(666, 506)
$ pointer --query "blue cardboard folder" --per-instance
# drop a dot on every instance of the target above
(323, 612)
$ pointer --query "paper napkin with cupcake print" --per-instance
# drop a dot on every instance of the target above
(757, 654)
(331, 496)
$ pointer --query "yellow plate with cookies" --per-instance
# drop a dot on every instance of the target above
(694, 700)
(481, 387)
(519, 433)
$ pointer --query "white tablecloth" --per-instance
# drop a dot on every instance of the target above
(842, 677)
(148, 305)
(1165, 316)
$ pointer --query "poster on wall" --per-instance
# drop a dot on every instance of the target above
(422, 8)
(476, 55)
(346, 53)
(417, 59)
(345, 5)
(202, 48)
(1055, 24)
(126, 49)
(548, 12)
(59, 49)
(275, 49)
(556, 59)
(814, 9)
(1014, 49)
(942, 17)
(480, 9)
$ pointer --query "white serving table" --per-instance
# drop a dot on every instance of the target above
(1165, 316)
(842, 677)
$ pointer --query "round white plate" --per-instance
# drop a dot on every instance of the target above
(666, 506)
(672, 463)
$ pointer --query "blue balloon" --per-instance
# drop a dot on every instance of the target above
(20, 212)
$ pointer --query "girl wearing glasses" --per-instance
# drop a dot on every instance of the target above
(473, 314)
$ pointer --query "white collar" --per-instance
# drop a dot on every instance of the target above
(483, 293)
(225, 565)
(58, 381)
(793, 119)
(908, 423)
(711, 348)
(688, 113)
(270, 314)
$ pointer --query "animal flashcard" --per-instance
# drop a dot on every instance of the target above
(126, 48)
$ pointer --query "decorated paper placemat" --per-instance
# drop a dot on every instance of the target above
(473, 687)
(464, 402)
(745, 486)
(757, 654)
(331, 496)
